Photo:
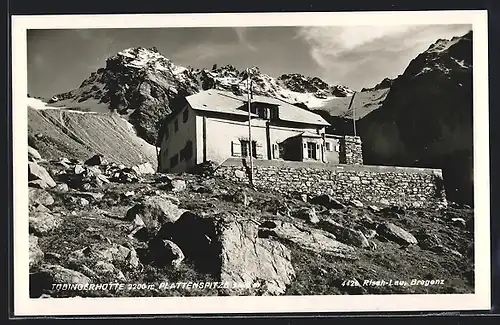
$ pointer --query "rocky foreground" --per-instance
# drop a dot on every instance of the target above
(93, 222)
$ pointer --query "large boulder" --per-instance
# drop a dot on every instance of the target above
(37, 173)
(239, 196)
(429, 241)
(257, 265)
(357, 203)
(308, 214)
(112, 253)
(145, 168)
(38, 184)
(64, 162)
(39, 197)
(89, 196)
(132, 259)
(230, 249)
(178, 185)
(49, 274)
(124, 175)
(197, 238)
(396, 234)
(165, 252)
(95, 160)
(79, 169)
(108, 253)
(42, 223)
(311, 239)
(38, 208)
(154, 212)
(355, 238)
(101, 252)
(84, 176)
(35, 252)
(107, 269)
(62, 187)
(344, 234)
(459, 222)
(33, 154)
(327, 201)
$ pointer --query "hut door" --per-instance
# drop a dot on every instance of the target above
(276, 152)
(304, 151)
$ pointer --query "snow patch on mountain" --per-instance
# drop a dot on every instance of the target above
(142, 85)
(89, 105)
(37, 103)
(141, 57)
(443, 56)
(122, 69)
(442, 45)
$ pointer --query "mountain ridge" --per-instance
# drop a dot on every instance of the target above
(426, 118)
(420, 118)
(140, 84)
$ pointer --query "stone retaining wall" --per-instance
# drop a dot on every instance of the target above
(417, 187)
(352, 153)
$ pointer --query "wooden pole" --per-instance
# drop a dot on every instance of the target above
(353, 113)
(250, 151)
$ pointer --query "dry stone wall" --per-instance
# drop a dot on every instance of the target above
(352, 152)
(408, 187)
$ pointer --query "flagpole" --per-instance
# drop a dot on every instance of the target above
(353, 112)
(250, 127)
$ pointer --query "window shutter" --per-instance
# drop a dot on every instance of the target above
(318, 152)
(337, 148)
(275, 113)
(275, 151)
(304, 151)
(235, 149)
(281, 151)
(259, 153)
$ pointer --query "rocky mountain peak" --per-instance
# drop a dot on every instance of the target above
(445, 55)
(386, 83)
(299, 83)
(141, 53)
(342, 91)
(140, 83)
(426, 118)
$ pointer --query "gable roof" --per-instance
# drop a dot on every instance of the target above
(215, 101)
(308, 134)
(227, 102)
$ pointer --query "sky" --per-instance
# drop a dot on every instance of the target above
(354, 56)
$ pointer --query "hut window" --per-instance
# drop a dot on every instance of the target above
(245, 150)
(174, 161)
(188, 150)
(166, 132)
